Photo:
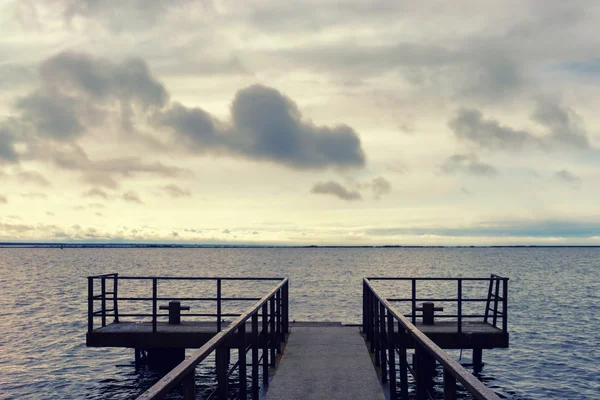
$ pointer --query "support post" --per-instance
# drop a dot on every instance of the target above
(403, 363)
(414, 301)
(154, 301)
(273, 335)
(278, 320)
(286, 309)
(477, 360)
(376, 333)
(459, 322)
(382, 343)
(505, 305)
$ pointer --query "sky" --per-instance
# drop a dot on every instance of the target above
(312, 122)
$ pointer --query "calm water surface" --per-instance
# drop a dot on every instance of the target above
(554, 311)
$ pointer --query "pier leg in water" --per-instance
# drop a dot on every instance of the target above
(477, 360)
(164, 359)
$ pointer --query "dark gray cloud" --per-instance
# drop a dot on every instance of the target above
(32, 177)
(176, 191)
(266, 125)
(132, 197)
(568, 178)
(78, 91)
(335, 189)
(563, 127)
(467, 163)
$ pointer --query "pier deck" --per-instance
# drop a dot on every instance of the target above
(325, 361)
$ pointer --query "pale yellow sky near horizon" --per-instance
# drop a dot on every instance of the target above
(322, 122)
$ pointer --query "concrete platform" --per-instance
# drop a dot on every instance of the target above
(328, 361)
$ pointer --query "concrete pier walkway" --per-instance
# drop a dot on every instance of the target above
(328, 361)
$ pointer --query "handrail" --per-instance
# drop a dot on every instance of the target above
(494, 280)
(187, 367)
(375, 326)
(106, 295)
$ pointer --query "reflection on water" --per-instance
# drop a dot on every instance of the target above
(554, 311)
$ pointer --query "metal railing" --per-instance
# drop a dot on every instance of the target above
(265, 337)
(388, 333)
(103, 289)
(495, 299)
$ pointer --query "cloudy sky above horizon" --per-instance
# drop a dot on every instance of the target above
(314, 122)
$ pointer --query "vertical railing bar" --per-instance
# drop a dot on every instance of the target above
(242, 361)
(489, 297)
(371, 301)
(414, 301)
(382, 343)
(376, 333)
(154, 303)
(403, 363)
(278, 320)
(364, 309)
(221, 364)
(286, 309)
(115, 296)
(90, 304)
(265, 336)
(504, 305)
(189, 386)
(495, 318)
(391, 356)
(103, 297)
(459, 313)
(219, 311)
(273, 336)
(255, 392)
(449, 386)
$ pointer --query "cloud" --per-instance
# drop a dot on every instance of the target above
(8, 153)
(78, 91)
(470, 125)
(563, 128)
(267, 126)
(380, 186)
(96, 192)
(176, 191)
(34, 195)
(467, 163)
(568, 178)
(226, 231)
(33, 177)
(132, 197)
(3, 199)
(335, 189)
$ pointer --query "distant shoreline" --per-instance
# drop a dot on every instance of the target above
(241, 246)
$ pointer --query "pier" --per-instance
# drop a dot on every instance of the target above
(259, 353)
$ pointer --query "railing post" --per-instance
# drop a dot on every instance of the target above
(495, 317)
(219, 305)
(403, 363)
(376, 333)
(154, 303)
(489, 297)
(459, 322)
(371, 301)
(242, 361)
(189, 386)
(115, 295)
(255, 356)
(419, 368)
(103, 297)
(265, 354)
(273, 335)
(364, 309)
(382, 343)
(414, 301)
(90, 304)
(286, 309)
(278, 320)
(504, 305)
(221, 364)
(449, 386)
(391, 355)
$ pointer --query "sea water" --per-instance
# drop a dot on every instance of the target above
(554, 310)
